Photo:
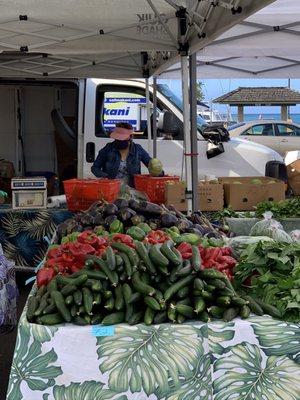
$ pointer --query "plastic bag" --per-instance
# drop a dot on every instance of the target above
(271, 228)
(239, 243)
(295, 235)
(8, 293)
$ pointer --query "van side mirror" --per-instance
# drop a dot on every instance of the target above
(168, 123)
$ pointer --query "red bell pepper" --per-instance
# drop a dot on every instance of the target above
(89, 237)
(80, 250)
(155, 237)
(44, 276)
(185, 249)
(122, 238)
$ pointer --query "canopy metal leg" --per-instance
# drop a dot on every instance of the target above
(186, 129)
(194, 129)
(154, 117)
(148, 107)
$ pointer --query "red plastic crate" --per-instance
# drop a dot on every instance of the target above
(82, 193)
(154, 187)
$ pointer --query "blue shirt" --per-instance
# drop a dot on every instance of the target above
(108, 162)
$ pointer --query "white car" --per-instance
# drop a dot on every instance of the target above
(280, 136)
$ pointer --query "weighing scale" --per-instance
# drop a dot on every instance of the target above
(28, 193)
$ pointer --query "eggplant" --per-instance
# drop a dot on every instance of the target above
(168, 220)
(97, 206)
(125, 214)
(134, 204)
(121, 203)
(150, 208)
(86, 220)
(194, 230)
(183, 224)
(110, 209)
(108, 220)
(98, 219)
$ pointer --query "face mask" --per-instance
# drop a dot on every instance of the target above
(121, 144)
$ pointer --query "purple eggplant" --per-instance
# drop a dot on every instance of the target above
(121, 203)
(168, 220)
(110, 209)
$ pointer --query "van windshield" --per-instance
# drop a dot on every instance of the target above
(177, 101)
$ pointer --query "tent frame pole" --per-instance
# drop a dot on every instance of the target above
(194, 129)
(186, 130)
(154, 117)
(148, 107)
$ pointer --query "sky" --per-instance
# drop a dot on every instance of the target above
(214, 88)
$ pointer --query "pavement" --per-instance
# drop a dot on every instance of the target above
(8, 340)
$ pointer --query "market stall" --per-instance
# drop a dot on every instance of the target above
(258, 358)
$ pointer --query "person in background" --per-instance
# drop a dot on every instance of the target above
(121, 159)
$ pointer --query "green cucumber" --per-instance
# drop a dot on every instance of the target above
(52, 285)
(51, 319)
(196, 258)
(89, 264)
(74, 310)
(135, 297)
(185, 271)
(110, 258)
(224, 300)
(199, 305)
(186, 301)
(180, 319)
(78, 320)
(184, 292)
(230, 314)
(97, 298)
(160, 317)
(119, 260)
(172, 315)
(87, 300)
(68, 289)
(172, 290)
(152, 303)
(254, 307)
(217, 283)
(129, 312)
(32, 306)
(143, 253)
(149, 315)
(128, 251)
(136, 233)
(41, 291)
(166, 250)
(110, 304)
(216, 312)
(140, 286)
(119, 302)
(107, 294)
(209, 288)
(43, 304)
(239, 301)
(112, 275)
(50, 309)
(157, 257)
(269, 309)
(69, 300)
(207, 295)
(204, 316)
(60, 305)
(127, 264)
(77, 281)
(127, 292)
(78, 297)
(91, 274)
(245, 312)
(96, 319)
(94, 285)
(198, 284)
(212, 274)
(186, 311)
(136, 318)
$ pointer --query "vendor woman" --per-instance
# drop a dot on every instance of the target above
(121, 159)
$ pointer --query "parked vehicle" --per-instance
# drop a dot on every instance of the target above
(59, 126)
(280, 136)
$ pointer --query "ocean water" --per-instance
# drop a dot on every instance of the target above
(251, 117)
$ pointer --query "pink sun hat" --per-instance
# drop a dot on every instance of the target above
(120, 133)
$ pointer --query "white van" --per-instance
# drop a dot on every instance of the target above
(56, 126)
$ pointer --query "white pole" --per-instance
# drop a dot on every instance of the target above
(154, 117)
(148, 106)
(186, 129)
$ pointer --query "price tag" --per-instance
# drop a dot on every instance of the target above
(99, 330)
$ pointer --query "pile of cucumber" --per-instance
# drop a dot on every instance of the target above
(150, 284)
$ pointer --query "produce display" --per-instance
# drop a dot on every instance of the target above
(270, 272)
(289, 208)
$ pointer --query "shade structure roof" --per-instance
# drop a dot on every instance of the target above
(260, 96)
(265, 45)
(109, 38)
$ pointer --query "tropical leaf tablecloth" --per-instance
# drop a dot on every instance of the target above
(22, 234)
(257, 359)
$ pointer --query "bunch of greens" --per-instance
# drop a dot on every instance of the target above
(283, 209)
(270, 271)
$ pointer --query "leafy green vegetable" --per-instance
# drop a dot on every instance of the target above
(283, 209)
(271, 271)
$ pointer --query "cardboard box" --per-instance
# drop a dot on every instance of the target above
(293, 171)
(211, 196)
(175, 195)
(6, 169)
(246, 195)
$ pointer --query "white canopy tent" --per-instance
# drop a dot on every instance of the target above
(265, 45)
(92, 38)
